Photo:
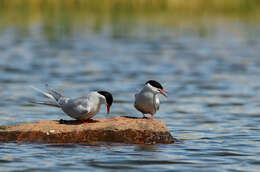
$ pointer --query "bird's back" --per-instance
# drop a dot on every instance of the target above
(82, 108)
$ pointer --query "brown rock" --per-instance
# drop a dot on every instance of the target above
(117, 129)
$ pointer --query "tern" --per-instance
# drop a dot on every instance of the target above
(82, 108)
(147, 100)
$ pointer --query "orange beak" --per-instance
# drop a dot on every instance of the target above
(161, 92)
(108, 109)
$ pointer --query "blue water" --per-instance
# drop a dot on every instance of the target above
(210, 69)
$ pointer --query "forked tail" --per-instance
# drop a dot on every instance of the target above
(57, 98)
(48, 103)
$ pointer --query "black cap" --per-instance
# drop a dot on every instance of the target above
(154, 84)
(108, 96)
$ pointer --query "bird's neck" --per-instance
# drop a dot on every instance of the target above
(101, 98)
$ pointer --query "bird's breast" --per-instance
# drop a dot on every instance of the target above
(145, 103)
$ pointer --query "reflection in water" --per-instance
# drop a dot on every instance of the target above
(149, 148)
(207, 56)
(59, 21)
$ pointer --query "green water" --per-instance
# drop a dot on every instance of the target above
(61, 18)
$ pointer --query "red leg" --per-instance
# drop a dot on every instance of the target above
(84, 122)
(151, 118)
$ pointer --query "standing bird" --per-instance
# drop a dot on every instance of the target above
(147, 100)
(82, 108)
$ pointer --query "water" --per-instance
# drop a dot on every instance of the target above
(210, 67)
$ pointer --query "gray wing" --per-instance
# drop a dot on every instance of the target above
(136, 105)
(135, 100)
(157, 103)
(76, 107)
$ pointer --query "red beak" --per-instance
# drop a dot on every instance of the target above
(160, 91)
(108, 109)
(165, 91)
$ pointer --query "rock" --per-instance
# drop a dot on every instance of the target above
(117, 129)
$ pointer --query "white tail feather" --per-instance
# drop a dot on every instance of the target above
(48, 104)
(44, 93)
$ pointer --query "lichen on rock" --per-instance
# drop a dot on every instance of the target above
(117, 129)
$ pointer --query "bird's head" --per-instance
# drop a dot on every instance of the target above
(156, 87)
(108, 99)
